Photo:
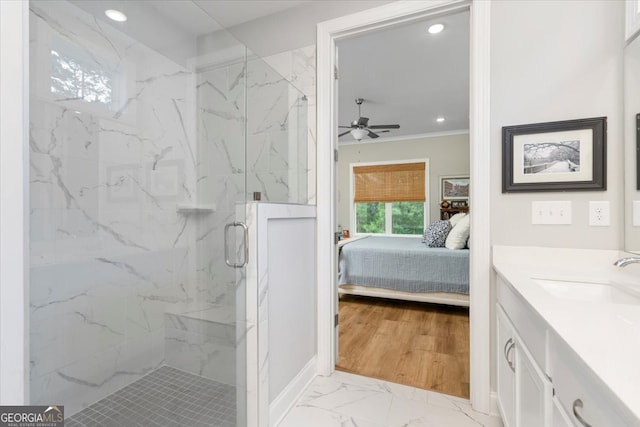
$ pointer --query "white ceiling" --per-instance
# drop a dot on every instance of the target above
(187, 16)
(233, 12)
(407, 77)
(181, 22)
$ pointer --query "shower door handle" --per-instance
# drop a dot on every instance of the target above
(245, 242)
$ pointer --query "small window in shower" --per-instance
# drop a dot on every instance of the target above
(73, 79)
(86, 78)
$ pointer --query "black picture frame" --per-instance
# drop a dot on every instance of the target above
(554, 146)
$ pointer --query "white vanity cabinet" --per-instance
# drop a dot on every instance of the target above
(559, 418)
(506, 369)
(542, 382)
(533, 391)
(583, 398)
(524, 391)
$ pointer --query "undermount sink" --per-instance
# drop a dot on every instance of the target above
(584, 291)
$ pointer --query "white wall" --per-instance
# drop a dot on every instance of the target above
(554, 61)
(448, 155)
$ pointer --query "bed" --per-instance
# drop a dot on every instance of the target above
(404, 268)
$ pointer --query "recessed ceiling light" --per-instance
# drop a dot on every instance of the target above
(440, 119)
(436, 28)
(115, 15)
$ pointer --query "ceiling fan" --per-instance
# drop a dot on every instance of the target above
(361, 127)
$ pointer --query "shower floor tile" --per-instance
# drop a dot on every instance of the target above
(166, 397)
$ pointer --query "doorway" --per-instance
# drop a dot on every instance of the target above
(409, 132)
(328, 34)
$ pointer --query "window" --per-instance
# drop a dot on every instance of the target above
(75, 80)
(87, 79)
(390, 198)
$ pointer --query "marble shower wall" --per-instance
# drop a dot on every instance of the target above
(123, 138)
(137, 164)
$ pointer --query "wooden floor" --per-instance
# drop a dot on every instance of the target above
(417, 344)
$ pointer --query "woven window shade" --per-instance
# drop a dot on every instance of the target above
(389, 183)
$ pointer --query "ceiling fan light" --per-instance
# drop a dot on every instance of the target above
(358, 134)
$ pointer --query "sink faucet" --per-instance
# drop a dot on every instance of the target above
(623, 262)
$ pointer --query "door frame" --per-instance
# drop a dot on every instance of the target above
(328, 33)
(14, 202)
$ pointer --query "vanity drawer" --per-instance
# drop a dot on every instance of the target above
(581, 394)
(531, 327)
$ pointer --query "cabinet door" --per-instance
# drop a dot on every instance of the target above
(506, 372)
(559, 417)
(533, 391)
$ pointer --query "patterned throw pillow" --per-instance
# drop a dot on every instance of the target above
(436, 233)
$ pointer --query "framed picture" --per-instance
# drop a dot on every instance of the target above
(555, 156)
(346, 234)
(454, 188)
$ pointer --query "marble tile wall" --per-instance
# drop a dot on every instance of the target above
(202, 342)
(110, 254)
(111, 163)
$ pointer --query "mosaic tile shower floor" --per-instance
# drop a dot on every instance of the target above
(167, 397)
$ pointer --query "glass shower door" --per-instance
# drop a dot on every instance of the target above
(137, 153)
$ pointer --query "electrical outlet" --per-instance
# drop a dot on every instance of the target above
(551, 213)
(599, 215)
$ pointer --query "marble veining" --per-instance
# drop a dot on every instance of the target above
(350, 400)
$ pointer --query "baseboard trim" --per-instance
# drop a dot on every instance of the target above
(494, 405)
(292, 392)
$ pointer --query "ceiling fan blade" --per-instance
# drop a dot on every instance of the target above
(344, 133)
(362, 121)
(373, 135)
(347, 127)
(384, 127)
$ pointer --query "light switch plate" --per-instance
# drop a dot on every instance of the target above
(551, 213)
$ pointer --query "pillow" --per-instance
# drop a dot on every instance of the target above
(457, 217)
(436, 233)
(459, 234)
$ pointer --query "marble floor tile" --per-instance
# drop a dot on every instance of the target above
(354, 401)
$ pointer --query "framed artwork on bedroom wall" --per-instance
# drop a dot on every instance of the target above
(454, 188)
(556, 156)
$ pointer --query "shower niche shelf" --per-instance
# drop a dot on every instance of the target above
(194, 208)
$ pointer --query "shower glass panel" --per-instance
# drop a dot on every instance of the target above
(138, 164)
(276, 136)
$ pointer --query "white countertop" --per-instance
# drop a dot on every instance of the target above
(605, 336)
